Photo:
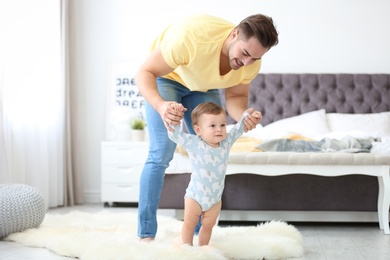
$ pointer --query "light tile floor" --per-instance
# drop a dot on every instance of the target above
(322, 241)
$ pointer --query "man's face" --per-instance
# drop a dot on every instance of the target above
(244, 52)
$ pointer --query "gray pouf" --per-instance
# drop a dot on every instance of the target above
(21, 207)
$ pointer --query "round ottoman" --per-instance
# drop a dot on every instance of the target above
(21, 207)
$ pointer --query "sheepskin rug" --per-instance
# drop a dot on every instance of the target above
(108, 235)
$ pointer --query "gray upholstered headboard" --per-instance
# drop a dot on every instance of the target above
(279, 96)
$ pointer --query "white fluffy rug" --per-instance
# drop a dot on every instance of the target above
(108, 235)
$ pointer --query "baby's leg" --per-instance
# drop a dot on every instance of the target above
(209, 219)
(192, 212)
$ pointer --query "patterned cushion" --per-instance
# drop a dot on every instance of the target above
(21, 207)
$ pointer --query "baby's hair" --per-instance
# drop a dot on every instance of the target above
(205, 108)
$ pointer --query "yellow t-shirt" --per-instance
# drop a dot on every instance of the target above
(192, 47)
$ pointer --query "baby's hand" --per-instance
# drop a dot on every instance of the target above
(257, 115)
(178, 107)
(252, 119)
(171, 114)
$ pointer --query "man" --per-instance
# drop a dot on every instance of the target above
(188, 63)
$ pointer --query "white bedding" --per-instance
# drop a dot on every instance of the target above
(381, 147)
(179, 164)
(314, 125)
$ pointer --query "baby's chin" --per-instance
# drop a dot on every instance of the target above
(215, 142)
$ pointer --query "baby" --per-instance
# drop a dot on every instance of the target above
(208, 151)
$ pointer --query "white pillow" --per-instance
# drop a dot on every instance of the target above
(311, 125)
(254, 133)
(375, 124)
(340, 135)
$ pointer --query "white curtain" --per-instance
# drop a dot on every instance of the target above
(34, 136)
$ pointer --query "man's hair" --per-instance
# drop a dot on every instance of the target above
(208, 108)
(260, 26)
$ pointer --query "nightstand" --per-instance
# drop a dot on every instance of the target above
(122, 164)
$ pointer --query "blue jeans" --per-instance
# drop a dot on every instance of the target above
(161, 149)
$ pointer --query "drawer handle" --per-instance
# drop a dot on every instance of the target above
(125, 169)
(124, 149)
(125, 187)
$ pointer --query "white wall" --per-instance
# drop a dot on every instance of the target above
(316, 36)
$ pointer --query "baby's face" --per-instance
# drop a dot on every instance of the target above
(212, 128)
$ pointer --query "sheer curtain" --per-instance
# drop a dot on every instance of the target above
(35, 136)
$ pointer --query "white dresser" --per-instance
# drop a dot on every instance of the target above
(122, 164)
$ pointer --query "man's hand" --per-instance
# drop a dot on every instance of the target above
(171, 113)
(252, 119)
(178, 107)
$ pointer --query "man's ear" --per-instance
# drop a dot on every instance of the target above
(234, 33)
(197, 129)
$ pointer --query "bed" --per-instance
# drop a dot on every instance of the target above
(270, 178)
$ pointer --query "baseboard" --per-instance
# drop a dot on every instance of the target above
(92, 197)
(294, 216)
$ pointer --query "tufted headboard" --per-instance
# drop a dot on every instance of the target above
(280, 96)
